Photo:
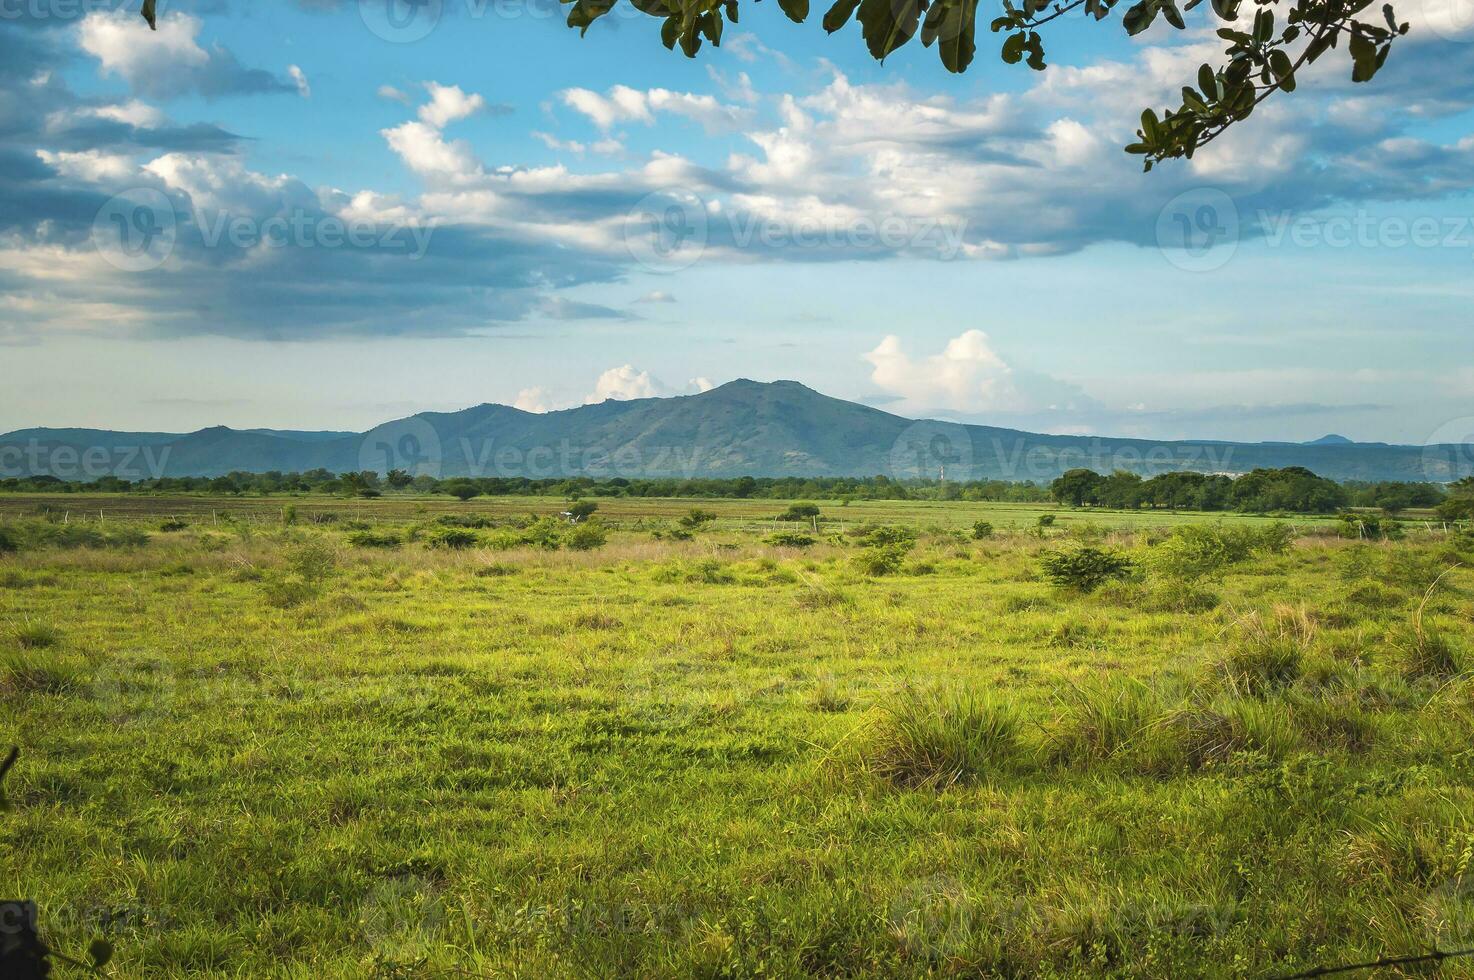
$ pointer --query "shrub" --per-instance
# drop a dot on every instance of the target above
(886, 537)
(582, 510)
(453, 538)
(586, 537)
(790, 539)
(882, 560)
(312, 562)
(545, 532)
(374, 539)
(1084, 569)
(800, 512)
(939, 738)
(1197, 551)
(697, 518)
(1046, 520)
(9, 540)
(288, 515)
(982, 530)
(464, 520)
(170, 526)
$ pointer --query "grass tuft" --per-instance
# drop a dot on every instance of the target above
(938, 738)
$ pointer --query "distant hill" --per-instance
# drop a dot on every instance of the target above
(744, 428)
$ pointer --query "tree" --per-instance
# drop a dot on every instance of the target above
(582, 510)
(1076, 487)
(1261, 61)
(462, 490)
(398, 479)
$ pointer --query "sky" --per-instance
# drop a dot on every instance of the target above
(326, 214)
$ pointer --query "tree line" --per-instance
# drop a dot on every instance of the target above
(1293, 489)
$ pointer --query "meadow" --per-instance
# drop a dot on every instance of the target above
(416, 737)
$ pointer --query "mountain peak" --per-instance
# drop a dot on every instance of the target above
(1330, 440)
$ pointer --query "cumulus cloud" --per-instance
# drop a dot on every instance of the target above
(967, 376)
(170, 62)
(447, 104)
(537, 400)
(627, 382)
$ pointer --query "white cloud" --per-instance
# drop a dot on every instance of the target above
(624, 104)
(967, 376)
(537, 400)
(169, 62)
(392, 94)
(299, 78)
(447, 104)
(622, 384)
(658, 296)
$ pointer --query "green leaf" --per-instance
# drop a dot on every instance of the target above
(1284, 71)
(1173, 15)
(888, 24)
(1363, 57)
(1013, 48)
(150, 15)
(954, 24)
(1139, 17)
(1207, 81)
(839, 15)
(1226, 9)
(585, 12)
(797, 10)
(1263, 25)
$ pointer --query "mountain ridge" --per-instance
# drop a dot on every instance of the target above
(742, 428)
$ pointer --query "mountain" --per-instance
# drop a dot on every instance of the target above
(744, 428)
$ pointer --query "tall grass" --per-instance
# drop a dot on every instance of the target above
(936, 738)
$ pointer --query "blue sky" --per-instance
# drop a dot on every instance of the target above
(271, 215)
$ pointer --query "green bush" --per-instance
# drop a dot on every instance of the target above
(586, 537)
(697, 518)
(882, 560)
(1084, 569)
(982, 530)
(887, 536)
(790, 539)
(800, 512)
(374, 539)
(453, 538)
(9, 540)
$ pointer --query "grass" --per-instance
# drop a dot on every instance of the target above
(721, 756)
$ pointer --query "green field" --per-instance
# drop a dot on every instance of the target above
(258, 748)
